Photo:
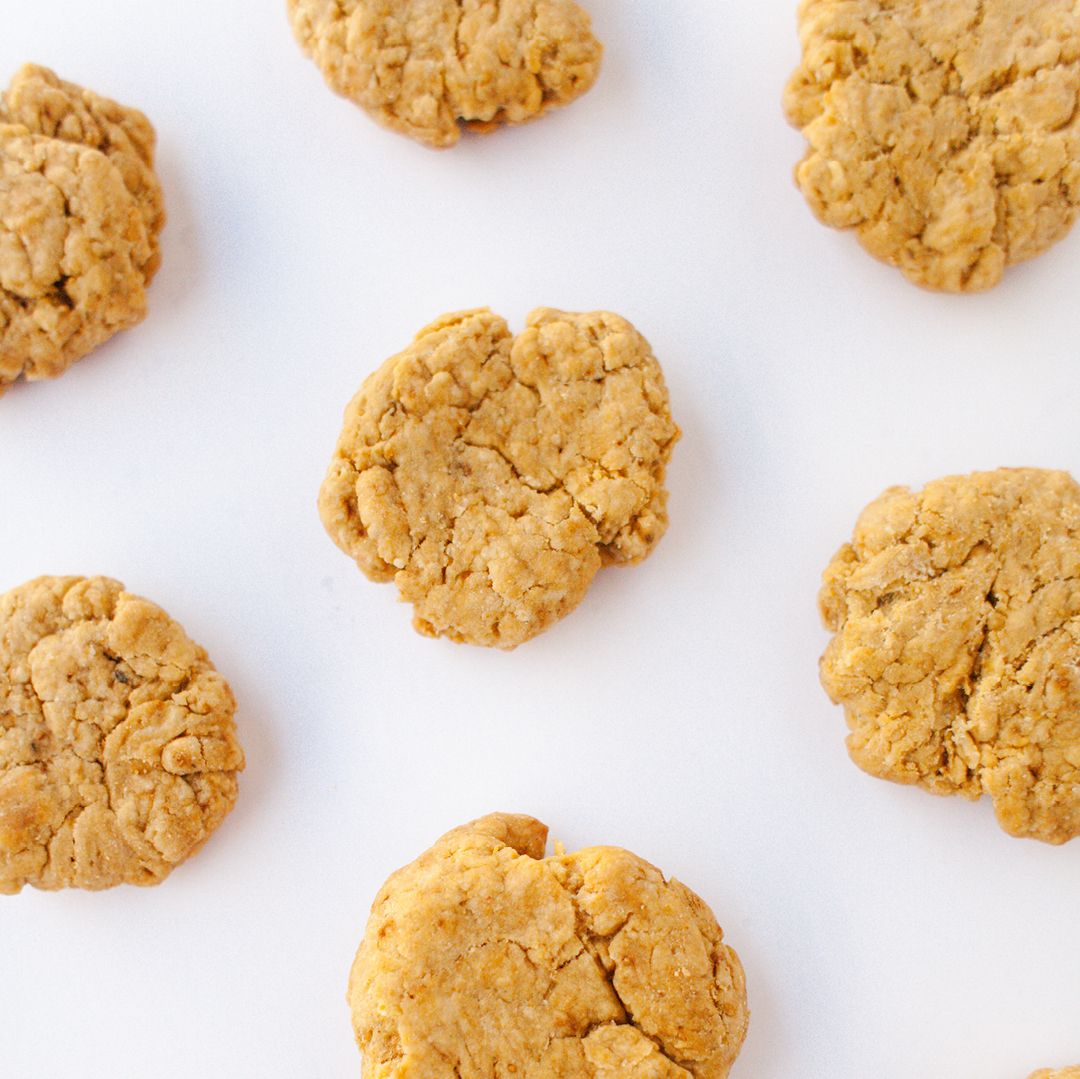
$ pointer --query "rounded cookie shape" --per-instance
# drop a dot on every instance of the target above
(957, 649)
(45, 104)
(491, 476)
(426, 68)
(484, 958)
(80, 211)
(946, 133)
(118, 750)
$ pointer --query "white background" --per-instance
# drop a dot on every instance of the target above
(886, 933)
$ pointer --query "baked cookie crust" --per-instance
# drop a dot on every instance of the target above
(491, 476)
(118, 749)
(945, 133)
(956, 655)
(1061, 1073)
(428, 68)
(80, 214)
(485, 958)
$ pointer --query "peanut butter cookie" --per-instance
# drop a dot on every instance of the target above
(427, 68)
(957, 650)
(485, 958)
(492, 476)
(946, 133)
(80, 214)
(1062, 1073)
(118, 751)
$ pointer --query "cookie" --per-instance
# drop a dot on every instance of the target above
(946, 133)
(485, 958)
(428, 68)
(80, 214)
(491, 476)
(118, 750)
(1061, 1073)
(956, 656)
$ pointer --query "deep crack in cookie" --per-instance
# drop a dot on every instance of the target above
(957, 650)
(491, 476)
(427, 68)
(118, 750)
(80, 214)
(484, 958)
(946, 133)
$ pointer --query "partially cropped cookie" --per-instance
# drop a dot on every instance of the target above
(428, 68)
(956, 611)
(485, 958)
(491, 476)
(118, 749)
(80, 214)
(946, 134)
(1061, 1073)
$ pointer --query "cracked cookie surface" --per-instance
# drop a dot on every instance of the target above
(118, 750)
(80, 213)
(946, 133)
(491, 476)
(957, 650)
(427, 68)
(484, 958)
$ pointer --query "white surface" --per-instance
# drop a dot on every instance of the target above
(677, 712)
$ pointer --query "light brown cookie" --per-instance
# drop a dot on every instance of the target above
(485, 958)
(946, 133)
(80, 211)
(46, 105)
(957, 650)
(427, 68)
(1061, 1073)
(118, 750)
(491, 476)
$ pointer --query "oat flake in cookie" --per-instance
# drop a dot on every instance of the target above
(485, 958)
(118, 750)
(80, 214)
(956, 656)
(428, 68)
(946, 133)
(491, 476)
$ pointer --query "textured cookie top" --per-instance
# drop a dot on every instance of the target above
(1061, 1073)
(945, 132)
(46, 105)
(484, 958)
(80, 211)
(118, 751)
(957, 648)
(490, 476)
(426, 67)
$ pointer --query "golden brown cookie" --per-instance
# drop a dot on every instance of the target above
(485, 958)
(46, 105)
(80, 214)
(1061, 1073)
(957, 650)
(427, 68)
(118, 750)
(946, 133)
(491, 476)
